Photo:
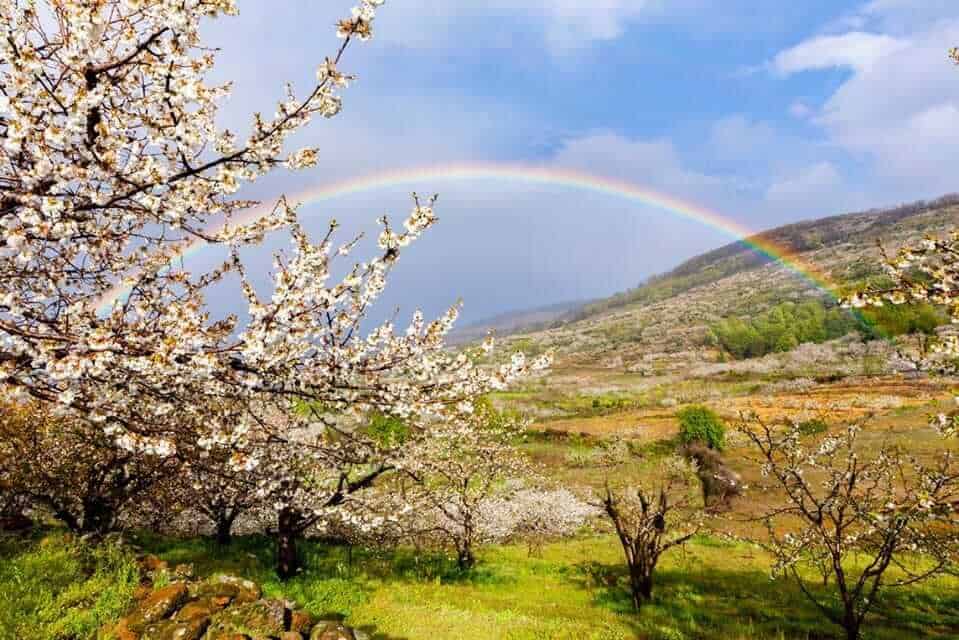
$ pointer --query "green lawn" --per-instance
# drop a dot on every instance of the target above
(55, 590)
(576, 589)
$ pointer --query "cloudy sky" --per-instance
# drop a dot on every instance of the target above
(764, 112)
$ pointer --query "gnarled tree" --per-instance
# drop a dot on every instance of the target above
(652, 519)
(863, 521)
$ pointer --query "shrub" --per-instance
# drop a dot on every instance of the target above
(721, 485)
(581, 458)
(700, 424)
(813, 427)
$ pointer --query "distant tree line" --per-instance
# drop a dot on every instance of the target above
(787, 325)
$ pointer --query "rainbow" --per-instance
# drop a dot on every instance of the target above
(531, 175)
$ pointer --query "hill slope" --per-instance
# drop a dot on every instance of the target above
(670, 314)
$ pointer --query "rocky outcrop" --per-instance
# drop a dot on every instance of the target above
(219, 608)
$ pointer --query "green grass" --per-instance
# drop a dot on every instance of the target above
(575, 589)
(54, 588)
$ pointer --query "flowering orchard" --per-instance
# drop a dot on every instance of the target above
(111, 164)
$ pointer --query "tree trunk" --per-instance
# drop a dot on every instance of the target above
(641, 585)
(465, 558)
(851, 625)
(98, 517)
(224, 530)
(286, 560)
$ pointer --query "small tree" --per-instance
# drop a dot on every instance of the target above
(852, 517)
(74, 470)
(651, 520)
(459, 469)
(701, 424)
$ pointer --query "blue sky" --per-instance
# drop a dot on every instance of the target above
(765, 111)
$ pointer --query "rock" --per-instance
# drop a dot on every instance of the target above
(142, 591)
(222, 608)
(302, 622)
(122, 631)
(183, 571)
(157, 606)
(332, 631)
(228, 636)
(151, 564)
(261, 618)
(198, 610)
(174, 630)
(236, 589)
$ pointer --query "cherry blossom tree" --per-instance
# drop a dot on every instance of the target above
(459, 469)
(652, 519)
(861, 522)
(75, 472)
(111, 166)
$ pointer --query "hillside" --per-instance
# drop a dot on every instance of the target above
(514, 321)
(648, 327)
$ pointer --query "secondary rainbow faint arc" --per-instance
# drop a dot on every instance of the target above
(558, 177)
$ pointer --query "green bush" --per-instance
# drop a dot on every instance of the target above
(904, 319)
(813, 427)
(388, 430)
(700, 424)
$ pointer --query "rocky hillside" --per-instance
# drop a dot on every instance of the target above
(664, 322)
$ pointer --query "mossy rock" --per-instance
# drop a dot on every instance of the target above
(332, 631)
(236, 589)
(157, 606)
(263, 618)
(176, 630)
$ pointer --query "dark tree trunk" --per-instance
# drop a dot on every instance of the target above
(851, 624)
(465, 558)
(287, 532)
(224, 530)
(641, 585)
(67, 518)
(98, 517)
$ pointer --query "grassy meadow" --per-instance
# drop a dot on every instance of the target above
(576, 588)
(572, 590)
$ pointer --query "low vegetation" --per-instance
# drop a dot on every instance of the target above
(700, 424)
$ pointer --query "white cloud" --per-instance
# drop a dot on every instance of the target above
(738, 135)
(653, 163)
(800, 110)
(904, 116)
(808, 187)
(563, 25)
(857, 50)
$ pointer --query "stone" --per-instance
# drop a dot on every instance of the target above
(302, 622)
(123, 632)
(176, 630)
(267, 618)
(158, 605)
(203, 608)
(184, 571)
(221, 586)
(332, 631)
(152, 563)
(142, 591)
